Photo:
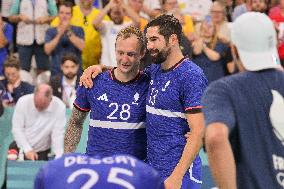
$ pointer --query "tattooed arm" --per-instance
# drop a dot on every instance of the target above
(74, 130)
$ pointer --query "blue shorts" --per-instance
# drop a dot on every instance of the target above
(192, 179)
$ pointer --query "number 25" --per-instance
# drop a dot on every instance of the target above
(94, 177)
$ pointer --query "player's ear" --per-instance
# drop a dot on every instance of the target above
(173, 39)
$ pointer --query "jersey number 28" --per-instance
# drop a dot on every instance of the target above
(124, 114)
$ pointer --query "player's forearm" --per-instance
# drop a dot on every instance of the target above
(191, 149)
(74, 130)
(220, 156)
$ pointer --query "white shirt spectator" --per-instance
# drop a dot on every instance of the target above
(108, 37)
(38, 131)
(69, 92)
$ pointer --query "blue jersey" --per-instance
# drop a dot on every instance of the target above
(251, 104)
(172, 93)
(73, 171)
(117, 117)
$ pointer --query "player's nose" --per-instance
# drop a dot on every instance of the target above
(124, 58)
(150, 45)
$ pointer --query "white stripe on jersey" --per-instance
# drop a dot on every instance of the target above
(166, 113)
(116, 125)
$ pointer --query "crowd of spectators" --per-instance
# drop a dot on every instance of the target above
(65, 37)
(48, 29)
(46, 44)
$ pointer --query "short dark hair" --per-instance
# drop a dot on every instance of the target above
(131, 30)
(168, 25)
(12, 61)
(70, 57)
(67, 4)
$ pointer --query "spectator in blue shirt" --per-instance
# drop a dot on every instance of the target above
(63, 39)
(6, 36)
(209, 51)
(12, 87)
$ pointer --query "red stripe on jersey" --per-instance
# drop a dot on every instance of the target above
(79, 108)
(191, 108)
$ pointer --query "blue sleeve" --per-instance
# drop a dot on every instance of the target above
(194, 84)
(82, 101)
(50, 34)
(8, 31)
(218, 105)
(80, 33)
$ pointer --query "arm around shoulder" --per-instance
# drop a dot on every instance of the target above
(74, 130)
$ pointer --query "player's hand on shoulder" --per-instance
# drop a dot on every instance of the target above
(88, 74)
(173, 183)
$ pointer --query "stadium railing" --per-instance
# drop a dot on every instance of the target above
(5, 140)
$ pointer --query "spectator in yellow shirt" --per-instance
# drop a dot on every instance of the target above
(83, 15)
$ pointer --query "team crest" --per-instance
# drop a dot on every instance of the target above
(103, 98)
(136, 98)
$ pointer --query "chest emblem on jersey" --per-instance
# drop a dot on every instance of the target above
(151, 82)
(103, 97)
(276, 115)
(166, 86)
(136, 98)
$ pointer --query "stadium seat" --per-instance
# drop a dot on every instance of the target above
(21, 174)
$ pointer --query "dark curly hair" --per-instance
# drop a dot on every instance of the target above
(168, 25)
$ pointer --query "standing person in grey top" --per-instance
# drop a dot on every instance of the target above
(244, 113)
